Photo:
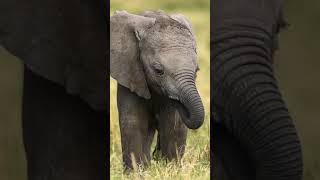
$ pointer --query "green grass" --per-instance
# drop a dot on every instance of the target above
(195, 164)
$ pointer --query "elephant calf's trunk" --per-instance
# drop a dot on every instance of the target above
(193, 116)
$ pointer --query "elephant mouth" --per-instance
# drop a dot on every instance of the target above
(189, 107)
(182, 109)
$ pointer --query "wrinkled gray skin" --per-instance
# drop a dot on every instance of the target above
(254, 135)
(62, 41)
(64, 48)
(154, 60)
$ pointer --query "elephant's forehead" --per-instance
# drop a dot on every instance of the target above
(168, 37)
(178, 58)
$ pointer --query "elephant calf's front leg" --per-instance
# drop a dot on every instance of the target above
(172, 133)
(136, 127)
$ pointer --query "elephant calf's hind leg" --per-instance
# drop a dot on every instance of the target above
(172, 135)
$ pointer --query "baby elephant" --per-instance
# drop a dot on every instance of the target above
(154, 60)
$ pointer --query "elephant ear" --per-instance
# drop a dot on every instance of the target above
(63, 42)
(125, 65)
(183, 20)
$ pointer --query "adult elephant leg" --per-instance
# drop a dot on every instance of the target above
(252, 108)
(137, 127)
(172, 132)
(64, 138)
(230, 160)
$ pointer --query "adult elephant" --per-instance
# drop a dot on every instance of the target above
(154, 60)
(63, 46)
(253, 134)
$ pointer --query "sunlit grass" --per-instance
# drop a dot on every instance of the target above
(195, 164)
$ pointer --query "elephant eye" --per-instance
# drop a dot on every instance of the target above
(158, 68)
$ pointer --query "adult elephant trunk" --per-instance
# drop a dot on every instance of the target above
(192, 110)
(248, 103)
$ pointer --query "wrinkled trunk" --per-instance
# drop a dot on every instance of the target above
(253, 110)
(192, 111)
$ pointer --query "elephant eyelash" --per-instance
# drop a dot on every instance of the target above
(158, 68)
(159, 72)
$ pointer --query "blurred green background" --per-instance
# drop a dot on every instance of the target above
(297, 68)
(195, 165)
(12, 162)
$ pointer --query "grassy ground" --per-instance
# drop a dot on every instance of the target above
(196, 162)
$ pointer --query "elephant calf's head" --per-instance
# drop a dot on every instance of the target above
(156, 52)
